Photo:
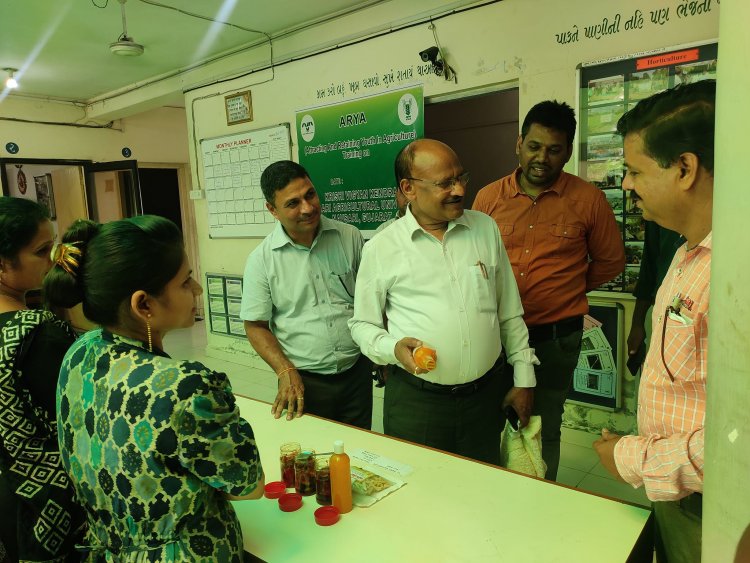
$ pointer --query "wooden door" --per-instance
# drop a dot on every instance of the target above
(69, 193)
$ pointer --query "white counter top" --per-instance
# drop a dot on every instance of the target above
(451, 509)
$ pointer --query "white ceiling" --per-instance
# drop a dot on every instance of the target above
(61, 47)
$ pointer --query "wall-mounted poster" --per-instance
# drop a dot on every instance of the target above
(21, 179)
(239, 107)
(44, 195)
(348, 149)
(647, 83)
(607, 90)
(605, 147)
(603, 119)
(687, 73)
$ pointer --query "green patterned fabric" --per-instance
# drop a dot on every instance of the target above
(151, 445)
(43, 517)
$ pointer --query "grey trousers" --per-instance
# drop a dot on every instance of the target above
(678, 530)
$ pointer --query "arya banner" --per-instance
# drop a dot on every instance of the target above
(349, 148)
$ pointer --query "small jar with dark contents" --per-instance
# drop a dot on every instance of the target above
(304, 473)
(287, 455)
(322, 481)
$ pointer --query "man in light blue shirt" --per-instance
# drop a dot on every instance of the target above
(297, 298)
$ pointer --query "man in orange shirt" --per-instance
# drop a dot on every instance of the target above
(562, 240)
(669, 155)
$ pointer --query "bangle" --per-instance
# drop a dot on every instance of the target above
(283, 371)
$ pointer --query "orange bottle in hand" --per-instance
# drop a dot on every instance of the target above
(341, 478)
(425, 357)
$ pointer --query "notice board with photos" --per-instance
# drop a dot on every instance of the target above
(598, 375)
(232, 166)
(224, 303)
(607, 91)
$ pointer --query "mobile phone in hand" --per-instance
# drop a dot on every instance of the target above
(512, 416)
(636, 360)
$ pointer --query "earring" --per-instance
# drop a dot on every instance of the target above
(148, 333)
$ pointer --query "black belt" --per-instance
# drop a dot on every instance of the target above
(459, 389)
(541, 333)
(359, 364)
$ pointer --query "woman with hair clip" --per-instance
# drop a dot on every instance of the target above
(39, 520)
(155, 446)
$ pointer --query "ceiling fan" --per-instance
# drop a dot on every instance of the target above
(125, 46)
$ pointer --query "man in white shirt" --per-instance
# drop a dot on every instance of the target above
(441, 276)
(297, 297)
(400, 210)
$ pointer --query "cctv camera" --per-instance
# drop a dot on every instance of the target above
(430, 54)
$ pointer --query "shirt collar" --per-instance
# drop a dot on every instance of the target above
(413, 226)
(708, 241)
(279, 238)
(557, 187)
(705, 243)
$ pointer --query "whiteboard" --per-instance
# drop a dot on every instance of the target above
(232, 165)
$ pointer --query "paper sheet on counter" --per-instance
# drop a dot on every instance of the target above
(380, 461)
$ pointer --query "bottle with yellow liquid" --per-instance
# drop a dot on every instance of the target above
(341, 478)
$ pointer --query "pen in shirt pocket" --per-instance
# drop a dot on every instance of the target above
(674, 312)
(341, 279)
(680, 318)
(482, 268)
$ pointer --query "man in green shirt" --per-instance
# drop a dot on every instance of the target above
(298, 296)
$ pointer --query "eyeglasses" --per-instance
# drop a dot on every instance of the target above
(462, 179)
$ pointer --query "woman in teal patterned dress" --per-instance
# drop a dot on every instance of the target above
(155, 447)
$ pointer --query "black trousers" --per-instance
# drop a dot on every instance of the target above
(464, 423)
(344, 397)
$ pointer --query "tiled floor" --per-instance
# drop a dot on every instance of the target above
(579, 465)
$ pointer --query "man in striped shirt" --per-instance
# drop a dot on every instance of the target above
(669, 155)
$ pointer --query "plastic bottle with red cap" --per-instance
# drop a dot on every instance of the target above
(341, 478)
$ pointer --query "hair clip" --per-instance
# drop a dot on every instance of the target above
(67, 256)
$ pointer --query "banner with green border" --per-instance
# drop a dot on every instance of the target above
(348, 149)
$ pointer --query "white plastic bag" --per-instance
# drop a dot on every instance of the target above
(522, 451)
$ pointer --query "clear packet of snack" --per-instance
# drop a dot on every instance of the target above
(369, 485)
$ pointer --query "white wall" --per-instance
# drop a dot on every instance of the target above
(726, 509)
(159, 135)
